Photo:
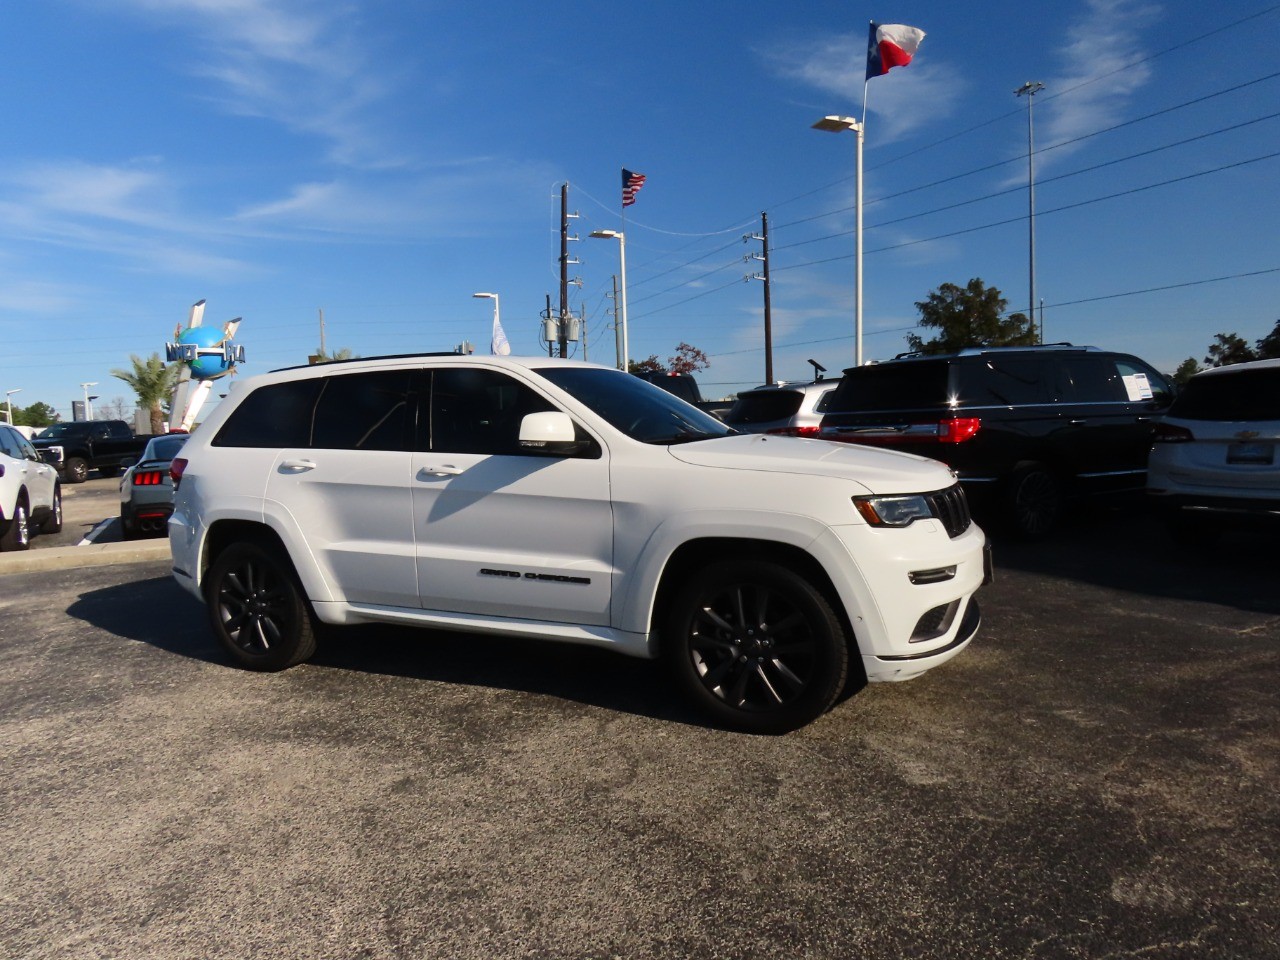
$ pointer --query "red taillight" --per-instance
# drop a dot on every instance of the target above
(147, 478)
(175, 470)
(795, 431)
(1169, 433)
(958, 430)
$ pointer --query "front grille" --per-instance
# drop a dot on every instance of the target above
(952, 508)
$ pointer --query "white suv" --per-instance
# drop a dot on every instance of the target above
(30, 495)
(562, 501)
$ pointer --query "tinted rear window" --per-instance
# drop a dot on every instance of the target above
(764, 407)
(277, 415)
(891, 386)
(1004, 381)
(1247, 395)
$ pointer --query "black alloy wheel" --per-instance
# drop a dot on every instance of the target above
(756, 646)
(257, 608)
(1035, 502)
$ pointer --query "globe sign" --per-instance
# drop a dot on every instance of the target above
(206, 364)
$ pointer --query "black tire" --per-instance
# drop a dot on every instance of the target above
(1034, 501)
(257, 608)
(53, 522)
(755, 646)
(76, 470)
(127, 529)
(15, 533)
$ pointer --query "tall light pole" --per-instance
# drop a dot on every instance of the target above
(88, 410)
(1029, 90)
(8, 399)
(495, 347)
(494, 297)
(838, 125)
(624, 360)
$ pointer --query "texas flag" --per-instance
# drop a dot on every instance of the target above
(891, 45)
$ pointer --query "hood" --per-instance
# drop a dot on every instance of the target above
(879, 471)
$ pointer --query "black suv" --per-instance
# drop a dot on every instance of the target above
(1023, 427)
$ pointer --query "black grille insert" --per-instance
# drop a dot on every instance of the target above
(952, 508)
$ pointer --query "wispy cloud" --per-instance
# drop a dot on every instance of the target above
(908, 99)
(1096, 87)
(294, 62)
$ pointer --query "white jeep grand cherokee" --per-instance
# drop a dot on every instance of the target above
(564, 501)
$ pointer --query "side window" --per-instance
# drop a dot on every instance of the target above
(1088, 379)
(25, 447)
(479, 411)
(120, 430)
(8, 444)
(1004, 381)
(1143, 383)
(365, 411)
(277, 415)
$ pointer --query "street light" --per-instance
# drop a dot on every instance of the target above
(8, 399)
(624, 355)
(88, 410)
(835, 124)
(1029, 90)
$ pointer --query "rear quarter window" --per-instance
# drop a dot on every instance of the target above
(912, 384)
(276, 415)
(1004, 381)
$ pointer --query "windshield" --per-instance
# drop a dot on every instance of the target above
(61, 430)
(639, 409)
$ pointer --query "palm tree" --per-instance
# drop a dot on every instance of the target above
(153, 382)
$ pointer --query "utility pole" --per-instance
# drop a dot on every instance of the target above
(549, 327)
(582, 330)
(562, 330)
(763, 257)
(617, 327)
(322, 350)
(1029, 90)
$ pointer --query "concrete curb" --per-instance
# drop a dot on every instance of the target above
(93, 555)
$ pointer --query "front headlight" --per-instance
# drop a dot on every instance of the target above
(893, 511)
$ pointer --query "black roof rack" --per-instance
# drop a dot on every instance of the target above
(976, 351)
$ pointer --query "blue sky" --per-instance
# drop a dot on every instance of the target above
(385, 160)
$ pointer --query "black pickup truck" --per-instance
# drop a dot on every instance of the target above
(79, 446)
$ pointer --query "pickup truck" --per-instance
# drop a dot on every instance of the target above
(77, 447)
(684, 386)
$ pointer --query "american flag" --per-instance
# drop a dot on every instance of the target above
(631, 184)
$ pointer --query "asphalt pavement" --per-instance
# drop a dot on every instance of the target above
(1093, 777)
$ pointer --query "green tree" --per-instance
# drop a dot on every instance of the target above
(1228, 348)
(970, 316)
(1186, 370)
(153, 383)
(39, 414)
(342, 353)
(688, 359)
(1269, 346)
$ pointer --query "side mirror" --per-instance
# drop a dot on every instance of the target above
(550, 435)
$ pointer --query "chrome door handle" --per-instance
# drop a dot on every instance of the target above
(297, 466)
(444, 470)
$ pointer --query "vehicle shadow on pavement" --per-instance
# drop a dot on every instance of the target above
(570, 672)
(1126, 549)
(175, 622)
(170, 619)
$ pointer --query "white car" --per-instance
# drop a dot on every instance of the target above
(790, 409)
(557, 500)
(30, 495)
(1216, 457)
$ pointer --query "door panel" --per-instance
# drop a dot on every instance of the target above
(500, 532)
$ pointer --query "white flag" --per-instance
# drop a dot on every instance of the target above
(499, 346)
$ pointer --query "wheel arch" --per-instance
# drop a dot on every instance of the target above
(694, 554)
